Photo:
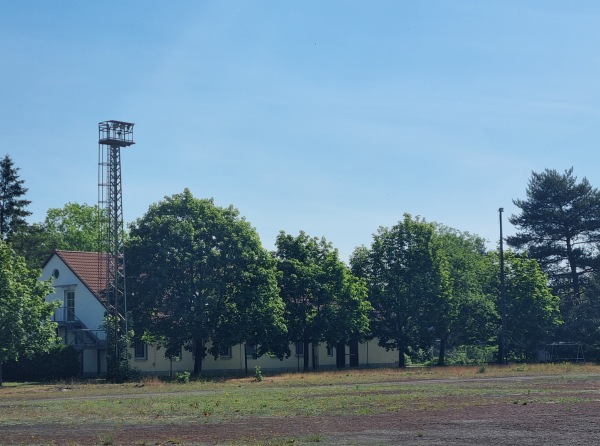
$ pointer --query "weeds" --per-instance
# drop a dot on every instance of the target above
(207, 411)
(182, 377)
(316, 438)
(291, 395)
(108, 439)
(258, 376)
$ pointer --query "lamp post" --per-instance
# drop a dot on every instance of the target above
(502, 344)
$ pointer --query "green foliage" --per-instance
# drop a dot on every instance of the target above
(118, 366)
(465, 315)
(12, 205)
(587, 312)
(258, 376)
(408, 283)
(61, 362)
(74, 227)
(559, 225)
(182, 377)
(31, 242)
(25, 316)
(324, 301)
(428, 282)
(471, 354)
(198, 272)
(532, 310)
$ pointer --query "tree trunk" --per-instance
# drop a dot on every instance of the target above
(340, 355)
(501, 358)
(401, 358)
(574, 274)
(1, 375)
(442, 355)
(354, 359)
(198, 355)
(306, 356)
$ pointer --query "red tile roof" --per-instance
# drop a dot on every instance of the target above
(89, 267)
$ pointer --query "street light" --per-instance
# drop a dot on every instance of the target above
(502, 346)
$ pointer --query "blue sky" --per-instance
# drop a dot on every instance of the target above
(333, 117)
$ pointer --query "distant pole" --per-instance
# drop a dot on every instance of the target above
(502, 345)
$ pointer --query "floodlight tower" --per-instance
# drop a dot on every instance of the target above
(112, 136)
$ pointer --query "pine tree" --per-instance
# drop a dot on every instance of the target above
(559, 225)
(12, 205)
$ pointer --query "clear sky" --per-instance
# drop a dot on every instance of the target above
(333, 116)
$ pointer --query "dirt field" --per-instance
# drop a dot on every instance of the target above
(550, 410)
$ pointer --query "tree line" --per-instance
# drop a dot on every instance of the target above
(199, 278)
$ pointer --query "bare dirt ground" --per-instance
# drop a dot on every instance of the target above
(572, 418)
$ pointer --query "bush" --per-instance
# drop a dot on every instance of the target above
(258, 376)
(130, 374)
(182, 377)
(62, 362)
(471, 355)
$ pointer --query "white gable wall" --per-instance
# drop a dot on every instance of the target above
(87, 307)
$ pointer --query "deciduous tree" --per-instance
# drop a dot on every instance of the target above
(466, 315)
(407, 280)
(198, 272)
(25, 316)
(74, 227)
(324, 302)
(532, 311)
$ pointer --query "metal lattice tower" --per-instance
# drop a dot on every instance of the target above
(112, 136)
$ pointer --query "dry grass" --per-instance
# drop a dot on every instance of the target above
(421, 373)
(220, 402)
(314, 378)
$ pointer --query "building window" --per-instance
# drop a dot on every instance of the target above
(299, 348)
(225, 352)
(329, 350)
(70, 305)
(140, 350)
(251, 350)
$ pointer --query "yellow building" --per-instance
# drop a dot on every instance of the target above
(78, 285)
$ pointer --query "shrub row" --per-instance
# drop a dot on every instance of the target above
(62, 362)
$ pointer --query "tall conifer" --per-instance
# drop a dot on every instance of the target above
(559, 225)
(12, 205)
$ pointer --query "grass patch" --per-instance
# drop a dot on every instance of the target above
(285, 396)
